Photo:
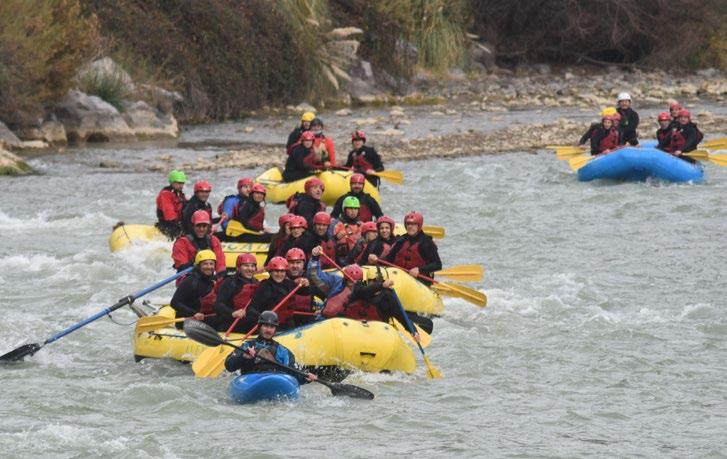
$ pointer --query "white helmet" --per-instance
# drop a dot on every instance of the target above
(624, 96)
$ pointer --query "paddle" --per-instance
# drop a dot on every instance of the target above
(716, 143)
(30, 349)
(579, 161)
(212, 366)
(149, 323)
(437, 232)
(432, 371)
(203, 333)
(391, 176)
(462, 272)
(460, 291)
(704, 155)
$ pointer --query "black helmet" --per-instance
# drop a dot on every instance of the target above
(268, 318)
(316, 122)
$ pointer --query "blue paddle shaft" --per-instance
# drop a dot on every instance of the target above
(122, 302)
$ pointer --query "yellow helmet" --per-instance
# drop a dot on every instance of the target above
(608, 111)
(308, 116)
(203, 255)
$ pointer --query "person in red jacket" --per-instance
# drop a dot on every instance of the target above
(364, 159)
(323, 146)
(235, 293)
(170, 202)
(186, 247)
(369, 209)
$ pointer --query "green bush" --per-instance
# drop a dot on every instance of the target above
(110, 88)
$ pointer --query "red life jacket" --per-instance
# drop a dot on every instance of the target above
(255, 222)
(408, 256)
(360, 310)
(339, 305)
(677, 141)
(207, 302)
(610, 141)
(329, 248)
(364, 213)
(353, 231)
(336, 304)
(300, 302)
(243, 297)
(359, 162)
(385, 251)
(294, 199)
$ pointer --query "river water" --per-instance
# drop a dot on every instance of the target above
(605, 333)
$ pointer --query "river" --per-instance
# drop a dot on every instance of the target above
(605, 333)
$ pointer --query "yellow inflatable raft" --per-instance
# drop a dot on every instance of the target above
(125, 236)
(340, 343)
(336, 182)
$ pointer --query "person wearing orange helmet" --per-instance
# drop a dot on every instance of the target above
(415, 251)
(685, 137)
(229, 205)
(364, 159)
(368, 210)
(309, 203)
(604, 137)
(170, 202)
(200, 201)
(674, 108)
(251, 214)
(663, 134)
(303, 161)
(270, 292)
(235, 293)
(294, 137)
(186, 247)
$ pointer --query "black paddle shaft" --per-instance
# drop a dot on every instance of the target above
(203, 333)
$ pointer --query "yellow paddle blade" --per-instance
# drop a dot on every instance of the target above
(425, 339)
(432, 371)
(720, 160)
(462, 272)
(568, 154)
(560, 147)
(701, 155)
(579, 161)
(211, 362)
(235, 228)
(460, 291)
(718, 143)
(391, 176)
(145, 324)
(437, 232)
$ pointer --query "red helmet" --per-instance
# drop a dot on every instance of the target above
(358, 135)
(664, 116)
(607, 118)
(258, 188)
(202, 185)
(616, 116)
(246, 259)
(385, 219)
(353, 271)
(201, 216)
(277, 264)
(298, 222)
(684, 112)
(311, 182)
(357, 178)
(675, 106)
(245, 181)
(285, 218)
(368, 227)
(415, 217)
(307, 135)
(295, 254)
(322, 218)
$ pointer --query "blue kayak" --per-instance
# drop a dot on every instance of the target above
(256, 387)
(639, 164)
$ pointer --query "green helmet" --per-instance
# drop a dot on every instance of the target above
(351, 202)
(177, 176)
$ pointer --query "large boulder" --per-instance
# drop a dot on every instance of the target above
(146, 121)
(11, 164)
(48, 130)
(7, 138)
(91, 119)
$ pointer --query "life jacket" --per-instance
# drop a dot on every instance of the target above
(199, 245)
(255, 222)
(221, 207)
(207, 302)
(353, 233)
(263, 366)
(336, 305)
(677, 141)
(364, 212)
(408, 256)
(360, 164)
(386, 248)
(339, 305)
(610, 141)
(285, 312)
(243, 297)
(329, 248)
(662, 136)
(179, 201)
(361, 310)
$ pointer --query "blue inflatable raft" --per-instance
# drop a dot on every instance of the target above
(639, 164)
(256, 387)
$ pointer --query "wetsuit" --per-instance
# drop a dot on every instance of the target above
(196, 293)
(629, 123)
(344, 245)
(305, 242)
(363, 159)
(282, 354)
(663, 136)
(685, 139)
(379, 247)
(294, 137)
(170, 203)
(252, 216)
(229, 206)
(418, 251)
(301, 163)
(234, 293)
(368, 211)
(266, 297)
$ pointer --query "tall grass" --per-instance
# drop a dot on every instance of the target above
(109, 87)
(439, 31)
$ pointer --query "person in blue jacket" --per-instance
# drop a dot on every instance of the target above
(247, 358)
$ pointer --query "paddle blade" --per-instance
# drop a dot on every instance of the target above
(701, 155)
(432, 371)
(348, 390)
(460, 291)
(437, 232)
(391, 176)
(211, 362)
(720, 160)
(463, 273)
(202, 333)
(145, 324)
(20, 353)
(579, 161)
(715, 143)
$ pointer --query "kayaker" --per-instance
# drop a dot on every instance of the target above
(244, 359)
(347, 230)
(302, 303)
(309, 203)
(228, 207)
(298, 237)
(278, 239)
(663, 134)
(629, 119)
(270, 292)
(415, 251)
(359, 254)
(322, 236)
(384, 240)
(195, 295)
(369, 209)
(251, 214)
(323, 146)
(604, 137)
(235, 292)
(170, 202)
(348, 296)
(200, 201)
(685, 137)
(364, 159)
(303, 161)
(185, 248)
(294, 136)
